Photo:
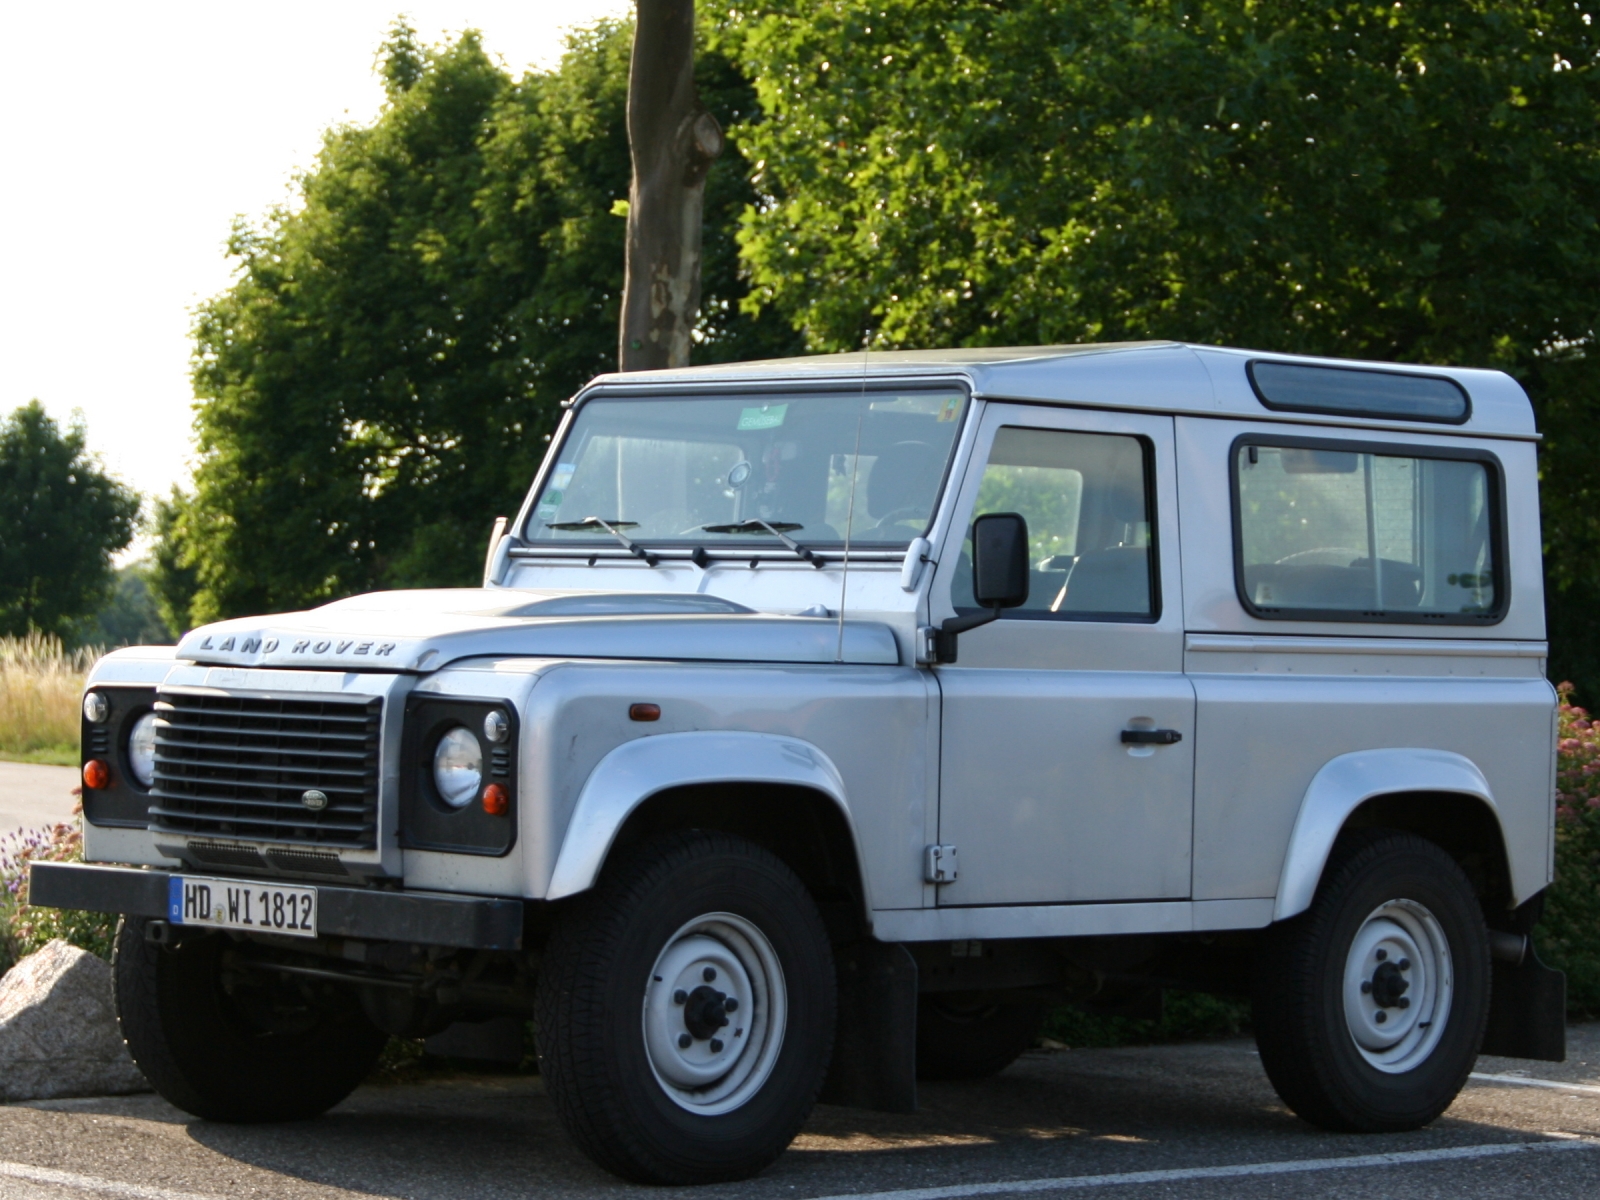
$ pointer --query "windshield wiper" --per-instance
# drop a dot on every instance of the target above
(614, 528)
(778, 529)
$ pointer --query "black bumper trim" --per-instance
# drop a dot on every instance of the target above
(424, 918)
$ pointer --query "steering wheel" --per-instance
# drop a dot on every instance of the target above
(897, 514)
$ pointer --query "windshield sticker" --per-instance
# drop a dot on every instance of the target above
(550, 502)
(951, 409)
(768, 416)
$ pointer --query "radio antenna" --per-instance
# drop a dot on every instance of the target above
(855, 478)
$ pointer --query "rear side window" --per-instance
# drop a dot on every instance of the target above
(1351, 531)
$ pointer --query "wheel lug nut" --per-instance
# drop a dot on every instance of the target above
(730, 1004)
(708, 974)
(685, 1041)
(716, 1045)
(1366, 987)
(1404, 1002)
(1405, 964)
(679, 996)
(1381, 955)
(1381, 1017)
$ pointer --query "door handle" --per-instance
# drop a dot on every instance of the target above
(1151, 737)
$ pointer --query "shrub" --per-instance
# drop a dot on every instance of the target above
(1568, 936)
(40, 686)
(24, 929)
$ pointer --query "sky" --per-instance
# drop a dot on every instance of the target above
(135, 133)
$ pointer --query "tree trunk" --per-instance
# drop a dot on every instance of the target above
(673, 141)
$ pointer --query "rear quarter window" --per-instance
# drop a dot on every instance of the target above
(1354, 531)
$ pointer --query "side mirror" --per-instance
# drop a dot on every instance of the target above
(999, 576)
(1000, 560)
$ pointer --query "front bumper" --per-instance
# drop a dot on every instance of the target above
(421, 918)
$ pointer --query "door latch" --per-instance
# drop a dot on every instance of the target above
(1151, 737)
(939, 864)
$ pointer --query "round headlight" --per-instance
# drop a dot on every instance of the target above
(142, 749)
(458, 767)
(96, 708)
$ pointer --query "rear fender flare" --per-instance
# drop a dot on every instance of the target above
(1347, 782)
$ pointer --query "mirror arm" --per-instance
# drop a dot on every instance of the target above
(944, 638)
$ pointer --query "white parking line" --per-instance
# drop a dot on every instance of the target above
(1524, 1081)
(91, 1183)
(1014, 1187)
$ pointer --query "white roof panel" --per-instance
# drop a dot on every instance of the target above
(1170, 377)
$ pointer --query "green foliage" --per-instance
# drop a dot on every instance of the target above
(1184, 1016)
(133, 615)
(380, 382)
(1363, 179)
(61, 519)
(24, 929)
(1568, 936)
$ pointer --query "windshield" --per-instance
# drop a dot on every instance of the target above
(705, 471)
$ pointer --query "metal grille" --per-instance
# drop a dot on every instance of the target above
(237, 767)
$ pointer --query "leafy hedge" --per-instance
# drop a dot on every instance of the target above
(24, 929)
(1568, 937)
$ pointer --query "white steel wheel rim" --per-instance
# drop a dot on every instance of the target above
(1398, 986)
(703, 1067)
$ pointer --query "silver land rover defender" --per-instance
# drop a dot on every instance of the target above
(821, 722)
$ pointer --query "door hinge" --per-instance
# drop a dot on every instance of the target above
(939, 864)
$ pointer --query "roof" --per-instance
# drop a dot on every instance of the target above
(1174, 377)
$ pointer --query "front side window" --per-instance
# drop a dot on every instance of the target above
(1331, 531)
(723, 469)
(1086, 499)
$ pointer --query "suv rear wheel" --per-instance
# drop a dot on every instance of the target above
(958, 1038)
(232, 1045)
(1370, 1007)
(686, 1011)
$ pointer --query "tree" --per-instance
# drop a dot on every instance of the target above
(132, 617)
(61, 520)
(381, 381)
(1412, 182)
(673, 141)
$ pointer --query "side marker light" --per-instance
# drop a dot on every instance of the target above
(644, 712)
(495, 801)
(96, 775)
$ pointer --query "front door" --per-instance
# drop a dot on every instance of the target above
(1043, 798)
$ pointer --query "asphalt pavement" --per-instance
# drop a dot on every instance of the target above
(1197, 1121)
(32, 797)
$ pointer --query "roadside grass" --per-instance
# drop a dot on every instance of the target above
(40, 686)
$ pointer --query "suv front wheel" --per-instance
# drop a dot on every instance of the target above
(1370, 1007)
(686, 1011)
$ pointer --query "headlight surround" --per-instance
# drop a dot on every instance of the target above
(458, 767)
(142, 749)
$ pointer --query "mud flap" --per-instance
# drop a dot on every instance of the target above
(1527, 1011)
(875, 1047)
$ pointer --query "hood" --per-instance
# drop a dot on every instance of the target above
(423, 630)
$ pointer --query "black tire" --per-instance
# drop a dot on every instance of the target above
(595, 1001)
(230, 1048)
(1308, 1046)
(960, 1040)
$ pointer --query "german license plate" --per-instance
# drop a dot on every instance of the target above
(235, 904)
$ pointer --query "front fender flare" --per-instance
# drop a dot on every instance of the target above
(1342, 786)
(637, 770)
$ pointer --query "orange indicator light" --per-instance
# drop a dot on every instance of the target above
(96, 775)
(495, 801)
(644, 712)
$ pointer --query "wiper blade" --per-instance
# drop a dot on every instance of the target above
(614, 528)
(778, 529)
